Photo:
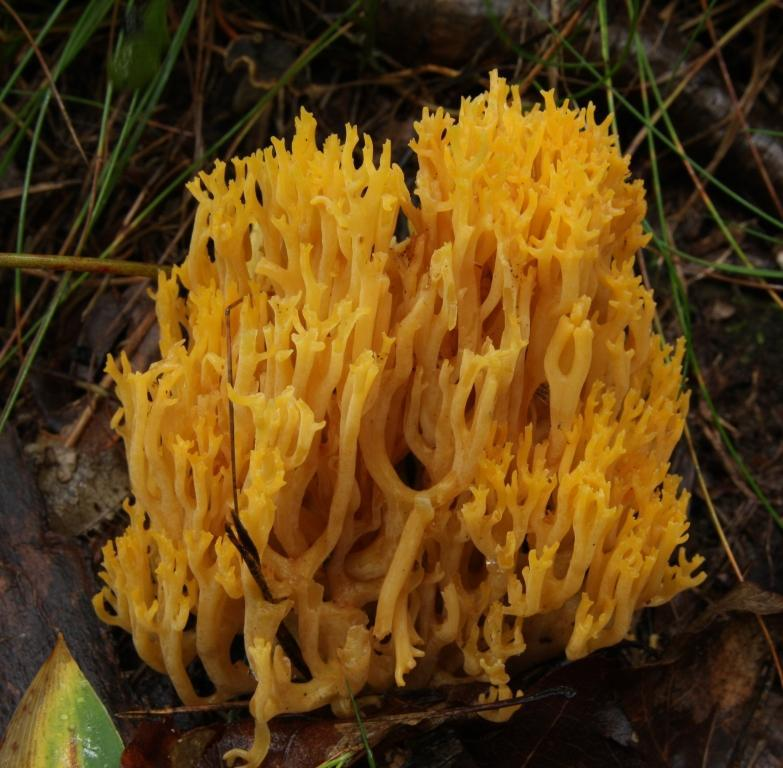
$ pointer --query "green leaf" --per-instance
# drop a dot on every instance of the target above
(137, 57)
(60, 721)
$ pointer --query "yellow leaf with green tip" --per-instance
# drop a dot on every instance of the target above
(60, 721)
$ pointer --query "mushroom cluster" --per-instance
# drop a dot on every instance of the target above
(453, 420)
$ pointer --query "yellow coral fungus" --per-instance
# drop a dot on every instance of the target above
(450, 449)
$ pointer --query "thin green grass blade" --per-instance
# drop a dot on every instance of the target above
(67, 98)
(20, 226)
(362, 729)
(758, 234)
(338, 762)
(732, 269)
(603, 25)
(25, 117)
(766, 132)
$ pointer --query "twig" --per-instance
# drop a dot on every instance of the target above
(45, 186)
(13, 117)
(470, 709)
(79, 264)
(132, 714)
(238, 535)
(23, 321)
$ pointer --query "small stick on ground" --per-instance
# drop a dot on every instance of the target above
(65, 263)
(239, 536)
